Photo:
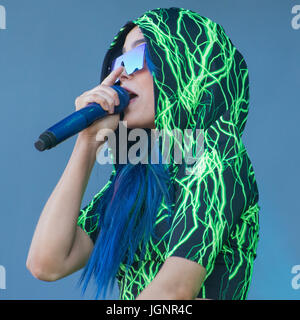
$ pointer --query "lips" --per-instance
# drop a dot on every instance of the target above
(132, 94)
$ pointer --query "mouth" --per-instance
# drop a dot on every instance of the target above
(132, 96)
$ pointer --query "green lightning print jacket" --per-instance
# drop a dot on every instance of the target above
(201, 89)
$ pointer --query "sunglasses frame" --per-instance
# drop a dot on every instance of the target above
(121, 60)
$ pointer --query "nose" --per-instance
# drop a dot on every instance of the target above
(124, 75)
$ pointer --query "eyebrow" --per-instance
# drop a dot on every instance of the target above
(135, 43)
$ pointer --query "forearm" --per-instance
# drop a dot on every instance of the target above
(55, 231)
(153, 293)
(177, 279)
(159, 290)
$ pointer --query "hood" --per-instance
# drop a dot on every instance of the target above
(200, 87)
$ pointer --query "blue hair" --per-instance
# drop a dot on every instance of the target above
(152, 68)
(127, 211)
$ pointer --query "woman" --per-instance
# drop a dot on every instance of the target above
(175, 230)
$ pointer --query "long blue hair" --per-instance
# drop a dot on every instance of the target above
(128, 211)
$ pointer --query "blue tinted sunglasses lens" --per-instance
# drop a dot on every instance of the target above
(132, 60)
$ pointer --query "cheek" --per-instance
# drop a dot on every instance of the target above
(148, 106)
(147, 84)
(149, 94)
(143, 114)
(145, 111)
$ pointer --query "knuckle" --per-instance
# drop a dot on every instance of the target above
(94, 95)
(78, 102)
(105, 105)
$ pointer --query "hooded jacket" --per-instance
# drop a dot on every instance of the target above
(201, 90)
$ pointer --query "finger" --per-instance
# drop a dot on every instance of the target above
(111, 92)
(113, 76)
(110, 102)
(87, 92)
(94, 98)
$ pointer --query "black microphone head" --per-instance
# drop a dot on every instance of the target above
(46, 141)
(40, 145)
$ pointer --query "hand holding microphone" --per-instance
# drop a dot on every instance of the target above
(108, 98)
(94, 111)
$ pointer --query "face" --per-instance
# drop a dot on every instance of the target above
(140, 111)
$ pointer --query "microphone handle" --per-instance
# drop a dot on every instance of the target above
(78, 121)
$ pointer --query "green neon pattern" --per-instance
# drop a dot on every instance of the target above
(202, 85)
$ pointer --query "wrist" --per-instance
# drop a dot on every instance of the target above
(90, 145)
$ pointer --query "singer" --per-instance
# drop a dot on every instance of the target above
(163, 231)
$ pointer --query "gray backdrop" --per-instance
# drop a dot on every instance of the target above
(52, 51)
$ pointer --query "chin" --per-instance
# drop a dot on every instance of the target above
(135, 122)
(135, 125)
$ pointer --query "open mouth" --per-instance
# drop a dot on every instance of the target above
(132, 95)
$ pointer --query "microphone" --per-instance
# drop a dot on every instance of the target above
(78, 121)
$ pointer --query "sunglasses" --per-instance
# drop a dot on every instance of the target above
(133, 60)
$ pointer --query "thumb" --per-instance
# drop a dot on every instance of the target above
(112, 77)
